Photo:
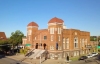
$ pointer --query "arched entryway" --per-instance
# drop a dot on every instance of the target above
(36, 46)
(44, 46)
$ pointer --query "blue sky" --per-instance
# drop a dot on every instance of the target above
(78, 14)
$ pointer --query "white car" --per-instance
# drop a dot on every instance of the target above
(94, 54)
(89, 56)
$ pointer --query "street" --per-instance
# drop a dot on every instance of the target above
(16, 59)
(9, 61)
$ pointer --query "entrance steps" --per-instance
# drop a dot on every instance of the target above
(36, 53)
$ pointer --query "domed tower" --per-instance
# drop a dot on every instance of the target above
(55, 28)
(32, 28)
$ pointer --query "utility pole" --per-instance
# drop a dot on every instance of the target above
(97, 44)
(40, 48)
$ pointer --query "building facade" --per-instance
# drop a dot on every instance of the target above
(57, 39)
(3, 36)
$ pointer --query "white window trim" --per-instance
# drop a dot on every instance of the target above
(51, 48)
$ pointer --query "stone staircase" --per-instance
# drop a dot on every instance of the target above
(36, 53)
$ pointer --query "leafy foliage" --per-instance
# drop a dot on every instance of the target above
(16, 37)
(4, 45)
(94, 38)
(24, 51)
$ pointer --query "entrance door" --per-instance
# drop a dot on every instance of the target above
(44, 46)
(36, 46)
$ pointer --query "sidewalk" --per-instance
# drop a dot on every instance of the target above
(37, 61)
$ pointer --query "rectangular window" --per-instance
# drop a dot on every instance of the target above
(35, 38)
(45, 37)
(75, 45)
(63, 45)
(86, 41)
(58, 47)
(63, 40)
(80, 44)
(59, 38)
(58, 30)
(51, 48)
(53, 30)
(51, 37)
(67, 43)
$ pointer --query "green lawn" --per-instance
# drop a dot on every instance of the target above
(74, 58)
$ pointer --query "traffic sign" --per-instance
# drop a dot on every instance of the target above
(28, 45)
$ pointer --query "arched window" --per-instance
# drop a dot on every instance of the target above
(76, 42)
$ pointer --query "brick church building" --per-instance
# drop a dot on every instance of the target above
(57, 39)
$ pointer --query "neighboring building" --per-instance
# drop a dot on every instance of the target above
(57, 39)
(2, 36)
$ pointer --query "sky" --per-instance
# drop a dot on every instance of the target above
(77, 14)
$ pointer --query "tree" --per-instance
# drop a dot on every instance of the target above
(93, 38)
(16, 38)
(4, 45)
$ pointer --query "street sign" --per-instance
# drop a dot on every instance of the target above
(28, 45)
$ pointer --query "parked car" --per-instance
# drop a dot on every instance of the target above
(82, 58)
(2, 56)
(89, 56)
(94, 54)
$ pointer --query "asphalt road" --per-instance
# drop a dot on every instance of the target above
(9, 61)
(89, 61)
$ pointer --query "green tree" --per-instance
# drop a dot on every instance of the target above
(16, 37)
(93, 38)
(4, 45)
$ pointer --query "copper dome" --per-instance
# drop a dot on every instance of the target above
(55, 19)
(32, 24)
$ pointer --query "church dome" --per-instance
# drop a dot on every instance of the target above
(32, 24)
(55, 19)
